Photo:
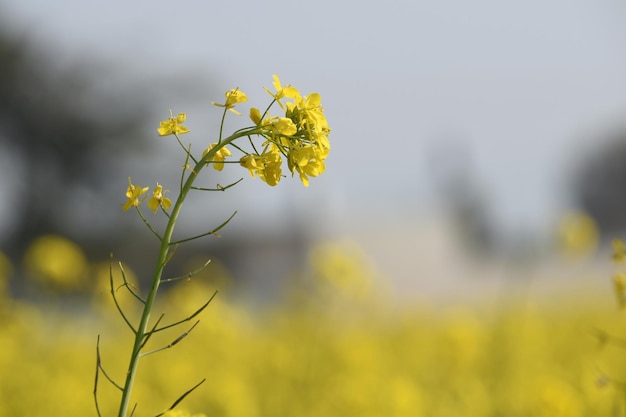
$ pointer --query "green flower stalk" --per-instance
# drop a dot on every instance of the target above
(300, 136)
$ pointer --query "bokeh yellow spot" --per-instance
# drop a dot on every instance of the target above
(343, 266)
(578, 234)
(56, 262)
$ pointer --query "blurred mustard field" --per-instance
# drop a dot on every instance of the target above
(335, 345)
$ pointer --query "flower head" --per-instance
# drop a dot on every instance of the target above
(234, 96)
(173, 125)
(158, 199)
(218, 158)
(133, 193)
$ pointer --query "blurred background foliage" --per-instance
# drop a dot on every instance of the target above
(337, 345)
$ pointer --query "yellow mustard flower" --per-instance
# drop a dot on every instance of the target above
(234, 96)
(158, 199)
(173, 125)
(308, 114)
(267, 165)
(284, 126)
(133, 193)
(218, 158)
(280, 125)
(283, 91)
(306, 162)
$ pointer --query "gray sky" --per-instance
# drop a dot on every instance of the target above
(522, 88)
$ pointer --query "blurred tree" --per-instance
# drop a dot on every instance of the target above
(452, 171)
(60, 134)
(599, 186)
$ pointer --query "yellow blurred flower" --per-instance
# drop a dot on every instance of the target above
(56, 261)
(342, 266)
(619, 250)
(578, 234)
(158, 199)
(556, 398)
(173, 125)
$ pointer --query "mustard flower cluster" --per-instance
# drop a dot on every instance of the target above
(301, 136)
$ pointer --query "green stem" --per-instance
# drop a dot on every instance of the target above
(166, 242)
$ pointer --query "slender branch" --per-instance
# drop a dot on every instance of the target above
(212, 232)
(234, 145)
(198, 311)
(219, 187)
(253, 147)
(147, 223)
(104, 372)
(189, 275)
(151, 332)
(117, 304)
(222, 124)
(176, 341)
(95, 384)
(182, 397)
(129, 286)
(187, 150)
(170, 255)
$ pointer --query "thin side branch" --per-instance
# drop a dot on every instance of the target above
(147, 223)
(176, 341)
(170, 255)
(95, 384)
(219, 187)
(151, 332)
(117, 304)
(101, 368)
(182, 397)
(198, 311)
(129, 286)
(212, 232)
(189, 275)
(187, 150)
